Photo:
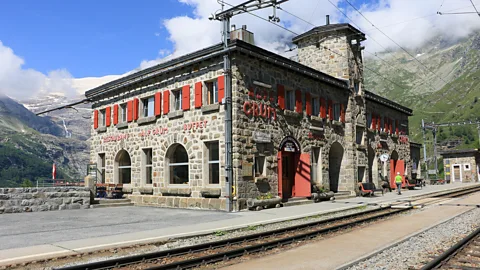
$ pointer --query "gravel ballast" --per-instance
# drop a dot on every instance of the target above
(422, 248)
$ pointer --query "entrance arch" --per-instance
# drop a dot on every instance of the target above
(294, 177)
(335, 158)
(122, 168)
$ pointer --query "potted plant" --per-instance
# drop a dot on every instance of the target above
(321, 193)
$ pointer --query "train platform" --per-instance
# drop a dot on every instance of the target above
(35, 236)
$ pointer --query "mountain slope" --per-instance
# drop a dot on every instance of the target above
(29, 145)
(446, 90)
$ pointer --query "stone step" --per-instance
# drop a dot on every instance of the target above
(297, 202)
(111, 205)
(110, 201)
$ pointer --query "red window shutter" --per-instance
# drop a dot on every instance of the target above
(130, 111)
(221, 88)
(166, 101)
(108, 116)
(198, 94)
(186, 98)
(396, 127)
(281, 96)
(135, 108)
(158, 103)
(298, 101)
(374, 121)
(95, 119)
(342, 113)
(115, 114)
(308, 103)
(323, 108)
(330, 109)
(390, 126)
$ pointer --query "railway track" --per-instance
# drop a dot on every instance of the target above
(217, 251)
(464, 255)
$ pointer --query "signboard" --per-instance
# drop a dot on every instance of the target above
(384, 157)
(289, 144)
(247, 168)
(261, 137)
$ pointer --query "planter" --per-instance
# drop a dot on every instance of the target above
(323, 196)
(255, 204)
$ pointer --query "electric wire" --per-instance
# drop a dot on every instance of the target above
(471, 1)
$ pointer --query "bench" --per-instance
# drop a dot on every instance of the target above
(437, 181)
(116, 190)
(368, 189)
(410, 184)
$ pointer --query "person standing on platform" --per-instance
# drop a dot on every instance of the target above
(398, 181)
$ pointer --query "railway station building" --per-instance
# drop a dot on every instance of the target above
(297, 124)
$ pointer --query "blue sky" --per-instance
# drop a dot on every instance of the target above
(88, 38)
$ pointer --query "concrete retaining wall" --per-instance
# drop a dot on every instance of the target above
(17, 200)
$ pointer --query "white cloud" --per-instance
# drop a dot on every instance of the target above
(189, 34)
(21, 83)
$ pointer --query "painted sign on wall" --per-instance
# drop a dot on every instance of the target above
(157, 131)
(257, 106)
(195, 125)
(115, 138)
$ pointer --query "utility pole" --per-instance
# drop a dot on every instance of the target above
(425, 150)
(224, 16)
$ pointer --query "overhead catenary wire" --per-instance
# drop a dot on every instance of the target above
(473, 4)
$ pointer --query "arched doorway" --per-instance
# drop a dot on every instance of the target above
(177, 164)
(294, 170)
(335, 158)
(123, 168)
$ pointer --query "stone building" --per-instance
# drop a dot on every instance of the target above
(296, 125)
(461, 165)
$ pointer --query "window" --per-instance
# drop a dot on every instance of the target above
(177, 159)
(369, 120)
(123, 167)
(123, 113)
(447, 161)
(315, 106)
(148, 106)
(466, 167)
(259, 166)
(394, 127)
(147, 165)
(101, 168)
(102, 118)
(315, 171)
(382, 123)
(361, 174)
(290, 100)
(212, 92)
(336, 111)
(359, 136)
(213, 163)
(177, 100)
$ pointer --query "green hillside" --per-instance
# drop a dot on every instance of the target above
(449, 93)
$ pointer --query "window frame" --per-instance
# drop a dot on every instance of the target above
(102, 118)
(315, 108)
(101, 164)
(263, 166)
(177, 164)
(214, 90)
(337, 111)
(209, 161)
(146, 165)
(123, 113)
(289, 99)
(145, 106)
(173, 99)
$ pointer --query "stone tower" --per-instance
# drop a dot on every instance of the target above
(336, 50)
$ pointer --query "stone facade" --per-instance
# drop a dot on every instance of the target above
(461, 165)
(295, 128)
(18, 200)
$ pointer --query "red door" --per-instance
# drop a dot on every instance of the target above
(303, 186)
(397, 166)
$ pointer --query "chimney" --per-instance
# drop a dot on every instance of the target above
(328, 19)
(242, 34)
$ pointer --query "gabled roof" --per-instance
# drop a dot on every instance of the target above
(330, 28)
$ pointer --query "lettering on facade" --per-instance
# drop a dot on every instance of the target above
(289, 144)
(115, 138)
(195, 125)
(257, 107)
(156, 131)
(261, 137)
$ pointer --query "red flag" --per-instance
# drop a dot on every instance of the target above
(54, 171)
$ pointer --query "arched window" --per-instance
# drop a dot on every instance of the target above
(123, 167)
(177, 161)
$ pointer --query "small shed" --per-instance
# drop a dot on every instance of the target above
(461, 165)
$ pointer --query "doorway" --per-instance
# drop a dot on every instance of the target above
(457, 175)
(335, 159)
(288, 174)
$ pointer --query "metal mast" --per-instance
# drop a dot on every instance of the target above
(224, 17)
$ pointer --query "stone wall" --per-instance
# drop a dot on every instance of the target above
(178, 202)
(467, 169)
(17, 200)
